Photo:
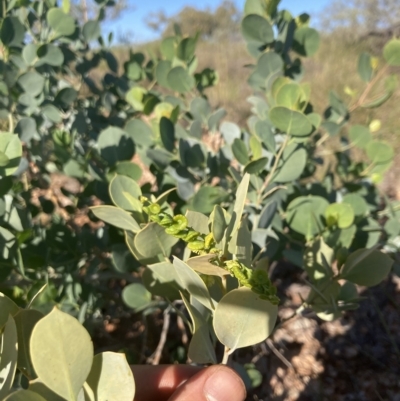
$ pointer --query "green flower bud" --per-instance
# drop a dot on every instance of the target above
(196, 245)
(154, 208)
(180, 221)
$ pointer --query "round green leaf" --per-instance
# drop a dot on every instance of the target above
(391, 52)
(140, 132)
(360, 135)
(162, 70)
(161, 280)
(230, 132)
(379, 152)
(179, 80)
(115, 145)
(256, 28)
(51, 55)
(306, 41)
(292, 164)
(60, 344)
(167, 47)
(348, 292)
(111, 378)
(340, 214)
(358, 203)
(304, 215)
(289, 96)
(25, 321)
(52, 113)
(290, 121)
(29, 53)
(66, 96)
(122, 259)
(125, 193)
(256, 166)
(206, 197)
(367, 267)
(153, 240)
(200, 109)
(167, 133)
(264, 131)
(240, 151)
(31, 83)
(11, 148)
(135, 97)
(26, 129)
(136, 296)
(9, 356)
(129, 169)
(91, 30)
(242, 319)
(186, 48)
(12, 32)
(61, 23)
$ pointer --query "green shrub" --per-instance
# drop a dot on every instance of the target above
(235, 199)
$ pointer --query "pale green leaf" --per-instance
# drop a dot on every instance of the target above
(242, 319)
(59, 343)
(116, 217)
(8, 356)
(191, 282)
(111, 378)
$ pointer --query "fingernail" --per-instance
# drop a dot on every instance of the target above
(224, 385)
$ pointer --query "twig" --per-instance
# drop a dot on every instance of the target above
(226, 356)
(274, 167)
(182, 328)
(322, 139)
(263, 352)
(278, 187)
(155, 358)
(278, 354)
(10, 123)
(367, 90)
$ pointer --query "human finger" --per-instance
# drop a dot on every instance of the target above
(158, 383)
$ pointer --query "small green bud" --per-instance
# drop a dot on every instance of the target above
(154, 208)
(173, 230)
(209, 241)
(196, 245)
(191, 236)
(180, 221)
(166, 220)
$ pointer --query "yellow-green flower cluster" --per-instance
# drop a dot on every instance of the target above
(257, 280)
(202, 244)
(177, 226)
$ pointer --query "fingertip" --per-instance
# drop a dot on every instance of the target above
(224, 384)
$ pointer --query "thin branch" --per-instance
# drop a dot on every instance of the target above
(278, 354)
(367, 90)
(225, 359)
(274, 167)
(156, 357)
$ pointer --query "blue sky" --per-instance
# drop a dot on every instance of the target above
(132, 21)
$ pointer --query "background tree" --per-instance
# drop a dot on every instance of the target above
(362, 17)
(221, 22)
